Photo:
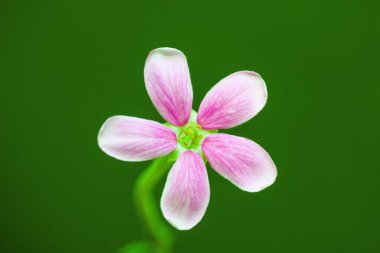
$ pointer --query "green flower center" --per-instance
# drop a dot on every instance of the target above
(190, 137)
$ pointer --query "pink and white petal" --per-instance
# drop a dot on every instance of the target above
(135, 139)
(240, 160)
(187, 193)
(233, 101)
(167, 80)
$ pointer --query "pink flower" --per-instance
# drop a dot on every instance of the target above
(192, 137)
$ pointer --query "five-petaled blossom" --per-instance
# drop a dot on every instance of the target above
(192, 137)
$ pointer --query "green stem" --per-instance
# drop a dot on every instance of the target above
(160, 234)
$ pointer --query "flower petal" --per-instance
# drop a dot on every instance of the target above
(240, 160)
(187, 192)
(233, 101)
(135, 139)
(167, 80)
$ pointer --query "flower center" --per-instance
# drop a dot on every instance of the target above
(190, 137)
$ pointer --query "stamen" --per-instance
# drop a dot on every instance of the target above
(190, 138)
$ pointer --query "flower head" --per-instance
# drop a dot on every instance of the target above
(190, 139)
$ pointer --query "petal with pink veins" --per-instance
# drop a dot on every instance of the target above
(167, 80)
(187, 193)
(135, 139)
(233, 101)
(240, 160)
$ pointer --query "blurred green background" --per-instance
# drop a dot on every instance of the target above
(66, 66)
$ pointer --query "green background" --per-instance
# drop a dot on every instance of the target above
(66, 66)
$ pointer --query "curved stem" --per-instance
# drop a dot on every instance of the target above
(160, 234)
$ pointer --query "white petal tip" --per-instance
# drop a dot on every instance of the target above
(257, 188)
(167, 51)
(180, 224)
